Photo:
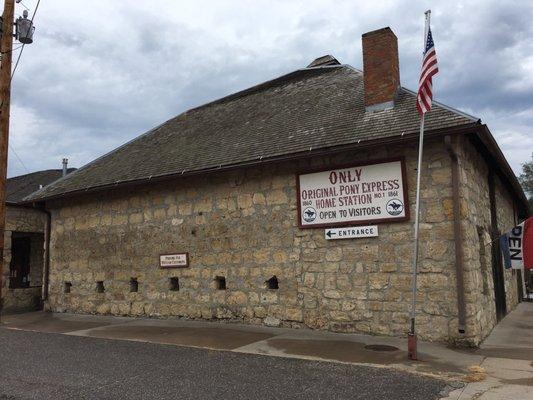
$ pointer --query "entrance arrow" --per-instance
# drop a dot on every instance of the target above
(353, 232)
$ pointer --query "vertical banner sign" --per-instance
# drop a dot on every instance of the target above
(355, 194)
(517, 246)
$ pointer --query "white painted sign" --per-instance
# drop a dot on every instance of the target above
(351, 233)
(177, 260)
(357, 194)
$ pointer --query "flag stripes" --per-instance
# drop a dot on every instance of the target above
(430, 67)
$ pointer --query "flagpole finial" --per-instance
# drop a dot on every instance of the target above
(428, 16)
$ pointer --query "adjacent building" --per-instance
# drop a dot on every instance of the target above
(228, 211)
(24, 240)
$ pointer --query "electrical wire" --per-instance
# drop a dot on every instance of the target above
(13, 50)
(13, 73)
(18, 158)
(23, 5)
(20, 54)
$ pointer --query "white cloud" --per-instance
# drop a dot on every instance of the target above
(100, 73)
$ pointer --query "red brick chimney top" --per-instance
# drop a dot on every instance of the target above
(381, 69)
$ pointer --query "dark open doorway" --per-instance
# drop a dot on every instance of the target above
(25, 268)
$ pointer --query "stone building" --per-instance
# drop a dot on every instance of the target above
(223, 187)
(24, 242)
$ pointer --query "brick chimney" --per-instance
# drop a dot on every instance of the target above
(381, 69)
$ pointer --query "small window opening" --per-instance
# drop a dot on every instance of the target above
(100, 287)
(220, 282)
(174, 284)
(66, 287)
(272, 283)
(134, 285)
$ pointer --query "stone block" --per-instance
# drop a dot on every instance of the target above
(378, 280)
(276, 197)
(237, 299)
(271, 321)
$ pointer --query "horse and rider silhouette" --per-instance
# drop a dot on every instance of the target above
(309, 213)
(395, 205)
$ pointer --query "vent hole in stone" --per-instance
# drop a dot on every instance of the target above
(100, 287)
(174, 284)
(220, 282)
(66, 287)
(134, 285)
(272, 283)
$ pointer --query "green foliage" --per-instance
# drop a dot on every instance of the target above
(526, 180)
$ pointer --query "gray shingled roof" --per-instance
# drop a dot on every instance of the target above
(21, 186)
(307, 109)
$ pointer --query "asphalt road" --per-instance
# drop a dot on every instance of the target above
(51, 366)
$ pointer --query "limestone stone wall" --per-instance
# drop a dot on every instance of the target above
(26, 299)
(475, 212)
(243, 225)
(27, 220)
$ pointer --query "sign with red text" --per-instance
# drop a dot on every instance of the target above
(353, 195)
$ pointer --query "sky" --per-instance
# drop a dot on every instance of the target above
(100, 73)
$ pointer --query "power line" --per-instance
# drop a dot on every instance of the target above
(13, 73)
(24, 5)
(18, 158)
(20, 54)
(15, 49)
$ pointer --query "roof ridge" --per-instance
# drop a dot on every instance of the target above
(260, 86)
(35, 172)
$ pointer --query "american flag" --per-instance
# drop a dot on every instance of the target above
(429, 68)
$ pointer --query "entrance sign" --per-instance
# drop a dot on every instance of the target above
(176, 260)
(366, 193)
(351, 233)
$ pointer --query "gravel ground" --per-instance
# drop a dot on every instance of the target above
(51, 366)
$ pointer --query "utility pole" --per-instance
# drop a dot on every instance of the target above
(6, 48)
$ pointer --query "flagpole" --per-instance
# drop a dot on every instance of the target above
(412, 339)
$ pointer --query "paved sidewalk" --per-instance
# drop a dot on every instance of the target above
(501, 369)
(506, 372)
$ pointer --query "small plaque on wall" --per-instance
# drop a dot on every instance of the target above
(174, 260)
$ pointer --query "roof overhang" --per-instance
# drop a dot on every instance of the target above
(400, 138)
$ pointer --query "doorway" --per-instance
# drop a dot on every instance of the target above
(25, 267)
(19, 270)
